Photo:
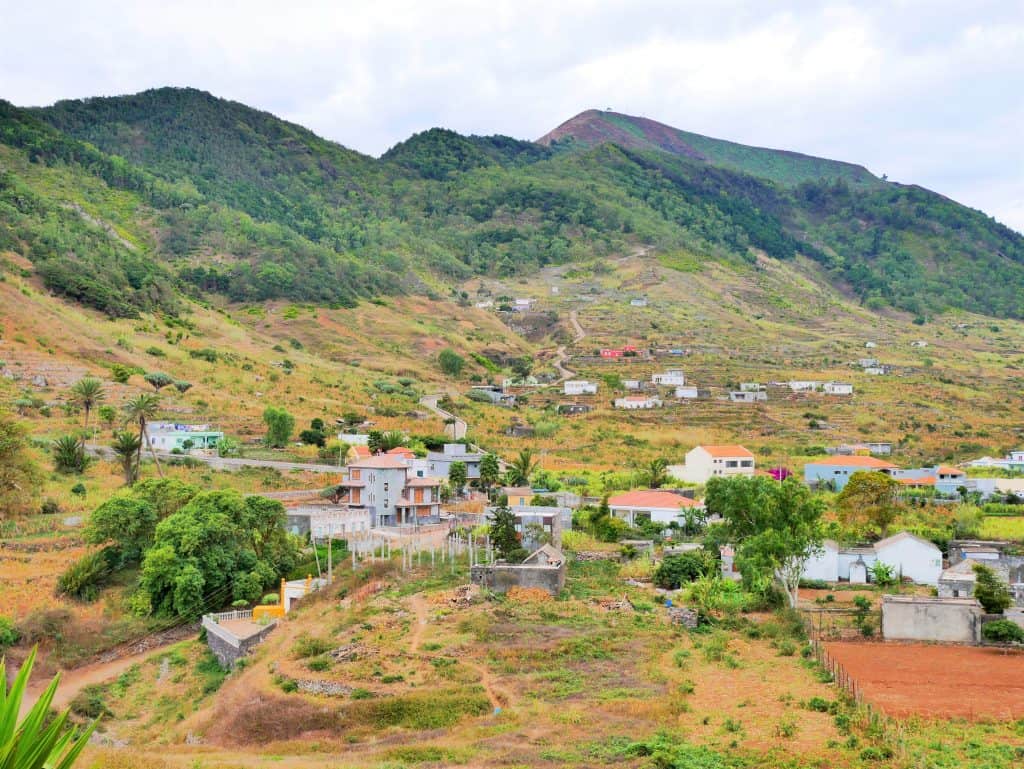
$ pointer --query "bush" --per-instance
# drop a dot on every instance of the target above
(9, 634)
(50, 507)
(313, 437)
(1003, 631)
(992, 593)
(206, 353)
(675, 570)
(308, 646)
(158, 379)
(156, 352)
(84, 577)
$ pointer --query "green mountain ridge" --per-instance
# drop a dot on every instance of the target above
(217, 198)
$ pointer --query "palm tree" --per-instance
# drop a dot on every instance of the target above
(69, 456)
(88, 393)
(522, 468)
(126, 445)
(140, 410)
(38, 740)
(654, 474)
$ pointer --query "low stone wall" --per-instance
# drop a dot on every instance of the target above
(501, 577)
(919, 618)
(226, 646)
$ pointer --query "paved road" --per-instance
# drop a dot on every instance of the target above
(226, 463)
(459, 427)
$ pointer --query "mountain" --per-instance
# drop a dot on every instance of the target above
(210, 198)
(594, 127)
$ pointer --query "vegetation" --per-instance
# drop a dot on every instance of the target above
(992, 593)
(87, 393)
(20, 477)
(1003, 631)
(280, 425)
(504, 538)
(869, 500)
(69, 455)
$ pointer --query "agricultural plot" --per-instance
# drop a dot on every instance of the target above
(1003, 528)
(936, 681)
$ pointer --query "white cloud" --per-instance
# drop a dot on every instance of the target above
(928, 92)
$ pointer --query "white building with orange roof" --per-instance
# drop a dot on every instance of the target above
(657, 505)
(706, 462)
(836, 470)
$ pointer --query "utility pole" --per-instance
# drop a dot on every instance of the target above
(330, 553)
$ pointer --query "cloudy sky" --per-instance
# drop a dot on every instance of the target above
(925, 92)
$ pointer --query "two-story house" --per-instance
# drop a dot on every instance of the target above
(706, 462)
(390, 494)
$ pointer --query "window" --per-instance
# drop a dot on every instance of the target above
(747, 463)
(732, 463)
(385, 485)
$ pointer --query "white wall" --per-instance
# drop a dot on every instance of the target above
(919, 561)
(824, 565)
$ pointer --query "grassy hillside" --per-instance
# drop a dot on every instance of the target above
(243, 205)
(595, 127)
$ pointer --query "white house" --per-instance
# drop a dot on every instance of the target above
(837, 388)
(640, 302)
(867, 362)
(748, 396)
(579, 387)
(523, 305)
(687, 391)
(803, 385)
(751, 387)
(705, 462)
(638, 402)
(656, 505)
(871, 345)
(671, 378)
(631, 384)
(919, 343)
(876, 370)
(908, 555)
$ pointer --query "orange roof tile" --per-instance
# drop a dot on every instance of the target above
(947, 470)
(855, 461)
(381, 462)
(927, 480)
(651, 498)
(401, 451)
(727, 450)
(423, 482)
(362, 451)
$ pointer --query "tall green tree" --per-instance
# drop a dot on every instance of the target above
(490, 471)
(504, 538)
(87, 393)
(140, 410)
(129, 519)
(451, 362)
(280, 425)
(992, 593)
(522, 468)
(775, 527)
(869, 500)
(458, 474)
(20, 476)
(158, 379)
(39, 740)
(654, 474)
(125, 446)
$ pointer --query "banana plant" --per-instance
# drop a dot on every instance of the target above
(35, 742)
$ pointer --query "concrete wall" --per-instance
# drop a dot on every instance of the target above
(501, 577)
(824, 565)
(916, 560)
(227, 648)
(918, 618)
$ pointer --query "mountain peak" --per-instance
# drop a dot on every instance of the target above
(594, 127)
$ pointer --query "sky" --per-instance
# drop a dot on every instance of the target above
(930, 93)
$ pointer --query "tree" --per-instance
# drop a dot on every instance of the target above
(504, 538)
(391, 439)
(654, 474)
(313, 437)
(69, 455)
(140, 409)
(126, 445)
(522, 366)
(218, 547)
(128, 520)
(522, 468)
(490, 471)
(87, 393)
(674, 570)
(869, 498)
(776, 527)
(108, 414)
(182, 386)
(992, 593)
(279, 426)
(451, 362)
(37, 740)
(457, 476)
(20, 476)
(317, 424)
(159, 379)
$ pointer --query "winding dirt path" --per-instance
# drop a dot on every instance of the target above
(561, 356)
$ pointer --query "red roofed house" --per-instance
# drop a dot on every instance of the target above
(706, 462)
(655, 505)
(357, 452)
(384, 487)
(837, 470)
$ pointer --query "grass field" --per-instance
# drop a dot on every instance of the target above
(995, 527)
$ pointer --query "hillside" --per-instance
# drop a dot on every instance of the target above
(595, 127)
(226, 201)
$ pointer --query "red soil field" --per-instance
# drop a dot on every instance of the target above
(936, 681)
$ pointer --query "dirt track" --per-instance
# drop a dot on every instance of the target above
(936, 681)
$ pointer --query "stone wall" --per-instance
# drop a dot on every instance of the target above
(919, 618)
(227, 648)
(500, 577)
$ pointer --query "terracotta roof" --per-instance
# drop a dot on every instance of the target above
(401, 451)
(362, 451)
(855, 461)
(727, 450)
(928, 480)
(381, 462)
(651, 498)
(414, 482)
(947, 470)
(517, 491)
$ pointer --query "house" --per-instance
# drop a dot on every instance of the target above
(518, 496)
(837, 388)
(537, 525)
(838, 469)
(579, 387)
(881, 448)
(640, 302)
(402, 452)
(495, 394)
(1013, 461)
(354, 439)
(357, 452)
(522, 305)
(656, 505)
(632, 384)
(382, 486)
(687, 392)
(638, 402)
(919, 343)
(545, 568)
(671, 378)
(958, 580)
(846, 449)
(484, 305)
(608, 352)
(706, 462)
(803, 385)
(748, 396)
(574, 409)
(867, 362)
(751, 387)
(876, 370)
(438, 463)
(908, 555)
(170, 436)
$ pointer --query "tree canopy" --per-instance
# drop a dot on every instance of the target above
(869, 500)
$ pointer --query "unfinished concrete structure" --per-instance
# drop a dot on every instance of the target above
(545, 569)
(924, 618)
(231, 635)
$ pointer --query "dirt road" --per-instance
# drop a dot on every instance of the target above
(561, 356)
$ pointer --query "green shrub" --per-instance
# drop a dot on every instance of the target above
(309, 646)
(320, 664)
(1002, 631)
(675, 570)
(156, 352)
(9, 634)
(84, 577)
(206, 353)
(91, 702)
